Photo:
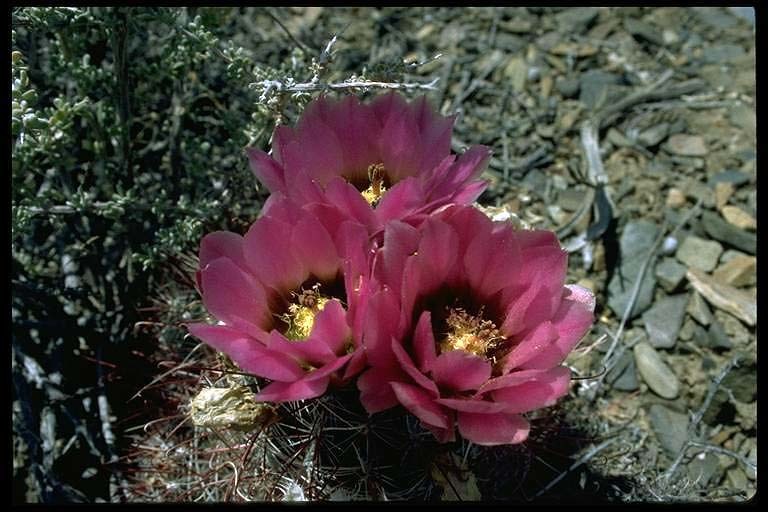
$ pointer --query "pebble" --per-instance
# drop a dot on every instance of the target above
(699, 310)
(576, 20)
(740, 304)
(722, 53)
(594, 87)
(636, 239)
(723, 192)
(653, 136)
(703, 468)
(643, 31)
(669, 245)
(740, 270)
(736, 178)
(727, 233)
(655, 372)
(670, 37)
(570, 199)
(742, 381)
(717, 337)
(715, 17)
(623, 376)
(735, 330)
(664, 319)
(671, 428)
(670, 274)
(675, 198)
(568, 87)
(739, 217)
(687, 145)
(752, 457)
(737, 478)
(699, 253)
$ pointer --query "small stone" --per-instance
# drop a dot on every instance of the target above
(737, 271)
(699, 253)
(688, 330)
(737, 478)
(653, 136)
(568, 87)
(557, 214)
(671, 428)
(517, 73)
(744, 117)
(571, 199)
(742, 382)
(716, 17)
(576, 20)
(746, 414)
(717, 337)
(740, 304)
(723, 192)
(739, 217)
(751, 472)
(643, 31)
(699, 310)
(722, 53)
(735, 329)
(623, 376)
(655, 372)
(595, 86)
(727, 233)
(664, 319)
(703, 468)
(669, 245)
(670, 37)
(670, 274)
(687, 145)
(735, 178)
(635, 240)
(675, 198)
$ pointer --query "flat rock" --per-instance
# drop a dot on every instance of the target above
(723, 192)
(664, 319)
(737, 271)
(715, 17)
(735, 178)
(655, 372)
(643, 31)
(722, 53)
(623, 376)
(595, 86)
(675, 198)
(670, 274)
(738, 217)
(699, 253)
(740, 304)
(698, 309)
(636, 239)
(727, 233)
(717, 337)
(568, 87)
(671, 428)
(704, 467)
(687, 145)
(654, 135)
(576, 20)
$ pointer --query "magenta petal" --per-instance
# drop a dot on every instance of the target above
(437, 251)
(424, 343)
(249, 354)
(460, 371)
(535, 394)
(401, 240)
(471, 405)
(331, 327)
(312, 351)
(380, 326)
(329, 368)
(492, 261)
(314, 248)
(234, 297)
(493, 429)
(581, 294)
(222, 244)
(421, 404)
(533, 343)
(398, 202)
(407, 364)
(443, 435)
(348, 199)
(571, 321)
(375, 392)
(356, 364)
(290, 391)
(267, 170)
(282, 136)
(269, 254)
(510, 379)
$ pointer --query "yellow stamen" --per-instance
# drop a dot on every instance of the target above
(471, 333)
(376, 179)
(301, 314)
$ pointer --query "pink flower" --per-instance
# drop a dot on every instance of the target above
(385, 160)
(287, 297)
(470, 325)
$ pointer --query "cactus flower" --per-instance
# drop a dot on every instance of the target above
(286, 296)
(470, 325)
(386, 160)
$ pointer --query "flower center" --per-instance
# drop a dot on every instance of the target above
(376, 189)
(471, 333)
(301, 313)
